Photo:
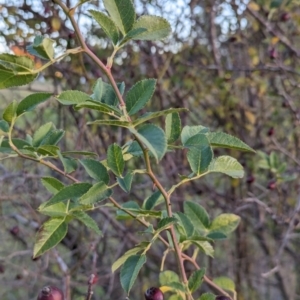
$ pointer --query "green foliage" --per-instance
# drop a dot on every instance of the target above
(130, 270)
(200, 153)
(207, 296)
(125, 182)
(139, 95)
(30, 102)
(157, 28)
(173, 127)
(195, 280)
(95, 169)
(197, 215)
(49, 235)
(191, 229)
(74, 191)
(97, 193)
(122, 13)
(107, 24)
(15, 70)
(225, 283)
(42, 48)
(153, 137)
(72, 97)
(115, 159)
(10, 112)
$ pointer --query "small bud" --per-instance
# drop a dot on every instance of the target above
(14, 230)
(285, 17)
(2, 269)
(271, 131)
(50, 293)
(154, 293)
(250, 179)
(93, 279)
(273, 53)
(272, 185)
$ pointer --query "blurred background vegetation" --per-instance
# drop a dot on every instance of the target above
(236, 66)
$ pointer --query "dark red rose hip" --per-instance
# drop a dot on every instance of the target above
(154, 293)
(50, 293)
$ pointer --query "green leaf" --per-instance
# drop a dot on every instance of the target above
(195, 280)
(47, 150)
(167, 277)
(49, 235)
(134, 149)
(72, 97)
(52, 184)
(158, 28)
(53, 137)
(225, 283)
(189, 131)
(131, 34)
(176, 286)
(122, 215)
(104, 92)
(102, 107)
(120, 261)
(10, 112)
(173, 127)
(122, 13)
(224, 140)
(4, 126)
(42, 47)
(165, 223)
(16, 63)
(55, 210)
(227, 165)
(216, 235)
(70, 164)
(125, 182)
(197, 215)
(30, 102)
(151, 115)
(87, 221)
(153, 200)
(153, 138)
(75, 190)
(185, 223)
(225, 223)
(82, 153)
(196, 238)
(97, 193)
(205, 247)
(276, 4)
(118, 123)
(109, 95)
(20, 144)
(207, 296)
(115, 159)
(139, 95)
(95, 169)
(41, 133)
(10, 78)
(130, 270)
(200, 153)
(107, 24)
